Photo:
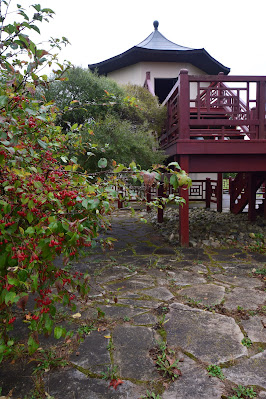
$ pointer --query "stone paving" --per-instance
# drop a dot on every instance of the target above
(150, 301)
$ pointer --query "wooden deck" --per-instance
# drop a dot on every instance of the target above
(217, 124)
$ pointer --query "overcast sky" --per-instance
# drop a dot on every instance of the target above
(233, 31)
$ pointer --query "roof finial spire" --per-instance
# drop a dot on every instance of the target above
(156, 24)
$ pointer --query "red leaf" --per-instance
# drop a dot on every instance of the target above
(115, 383)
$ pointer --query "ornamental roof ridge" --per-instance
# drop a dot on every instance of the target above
(157, 41)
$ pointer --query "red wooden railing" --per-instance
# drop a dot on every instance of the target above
(216, 108)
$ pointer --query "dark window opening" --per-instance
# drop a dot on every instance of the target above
(163, 87)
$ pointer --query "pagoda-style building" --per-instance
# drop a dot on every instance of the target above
(216, 123)
(162, 60)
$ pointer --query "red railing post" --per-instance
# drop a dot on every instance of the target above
(184, 208)
(208, 193)
(184, 105)
(261, 107)
(220, 192)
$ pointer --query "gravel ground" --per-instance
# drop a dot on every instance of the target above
(210, 228)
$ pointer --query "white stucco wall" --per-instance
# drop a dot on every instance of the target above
(136, 74)
(203, 176)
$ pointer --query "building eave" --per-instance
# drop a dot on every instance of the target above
(197, 57)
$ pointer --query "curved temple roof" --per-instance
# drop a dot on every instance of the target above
(156, 48)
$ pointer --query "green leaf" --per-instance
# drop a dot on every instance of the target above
(34, 279)
(3, 260)
(74, 127)
(64, 159)
(23, 275)
(21, 12)
(49, 325)
(58, 332)
(10, 297)
(3, 100)
(133, 165)
(48, 10)
(12, 280)
(35, 28)
(37, 7)
(176, 164)
(119, 168)
(30, 230)
(32, 345)
(93, 203)
(174, 181)
(102, 163)
(85, 203)
(42, 144)
(29, 217)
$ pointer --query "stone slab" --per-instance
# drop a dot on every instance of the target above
(212, 338)
(160, 293)
(139, 303)
(195, 383)
(193, 254)
(16, 377)
(183, 277)
(239, 281)
(71, 383)
(255, 328)
(207, 294)
(131, 354)
(245, 298)
(164, 251)
(145, 319)
(116, 312)
(93, 353)
(238, 269)
(249, 372)
(114, 273)
(131, 284)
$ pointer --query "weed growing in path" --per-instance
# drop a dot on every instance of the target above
(246, 342)
(215, 371)
(86, 329)
(243, 393)
(150, 395)
(110, 373)
(261, 272)
(47, 361)
(165, 362)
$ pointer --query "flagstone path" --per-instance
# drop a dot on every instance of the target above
(199, 303)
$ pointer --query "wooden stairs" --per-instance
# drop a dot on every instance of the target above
(243, 189)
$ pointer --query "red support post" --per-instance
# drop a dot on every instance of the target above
(251, 197)
(148, 198)
(264, 199)
(160, 210)
(208, 193)
(220, 192)
(231, 193)
(120, 201)
(184, 209)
